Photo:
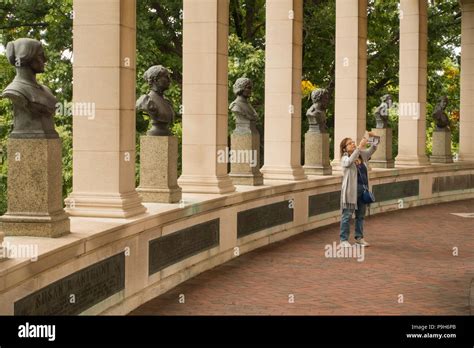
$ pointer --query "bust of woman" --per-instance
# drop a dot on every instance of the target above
(154, 103)
(317, 112)
(244, 113)
(34, 105)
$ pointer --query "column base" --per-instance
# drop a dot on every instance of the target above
(412, 161)
(105, 205)
(153, 195)
(206, 184)
(317, 170)
(247, 179)
(283, 173)
(52, 225)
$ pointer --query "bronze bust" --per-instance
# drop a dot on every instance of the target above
(439, 114)
(244, 113)
(155, 104)
(34, 105)
(317, 112)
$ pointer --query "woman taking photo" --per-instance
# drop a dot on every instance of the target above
(355, 176)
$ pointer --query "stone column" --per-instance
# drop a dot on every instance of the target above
(104, 139)
(413, 81)
(205, 54)
(466, 128)
(351, 73)
(283, 69)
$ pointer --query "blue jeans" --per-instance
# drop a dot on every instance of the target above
(359, 218)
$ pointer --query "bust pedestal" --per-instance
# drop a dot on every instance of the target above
(159, 169)
(35, 204)
(316, 154)
(441, 152)
(245, 158)
(382, 158)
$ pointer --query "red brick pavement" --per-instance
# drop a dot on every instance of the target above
(411, 255)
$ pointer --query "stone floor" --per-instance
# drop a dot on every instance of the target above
(409, 269)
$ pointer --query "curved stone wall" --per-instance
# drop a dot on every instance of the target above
(112, 266)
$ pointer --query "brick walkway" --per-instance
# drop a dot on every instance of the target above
(412, 255)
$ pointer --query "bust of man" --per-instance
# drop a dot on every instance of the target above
(155, 104)
(381, 113)
(244, 114)
(317, 112)
(34, 105)
(439, 114)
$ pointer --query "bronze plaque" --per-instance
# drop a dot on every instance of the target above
(396, 190)
(324, 203)
(177, 246)
(77, 292)
(258, 219)
(453, 183)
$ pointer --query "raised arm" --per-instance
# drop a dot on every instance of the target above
(366, 153)
(347, 161)
(369, 152)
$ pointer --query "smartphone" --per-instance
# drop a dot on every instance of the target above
(374, 140)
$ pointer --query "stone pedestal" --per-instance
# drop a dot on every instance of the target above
(316, 154)
(35, 205)
(441, 152)
(245, 158)
(159, 169)
(382, 158)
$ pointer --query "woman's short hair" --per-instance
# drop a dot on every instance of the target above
(154, 73)
(241, 84)
(22, 51)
